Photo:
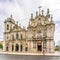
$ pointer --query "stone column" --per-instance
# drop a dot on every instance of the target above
(23, 48)
(19, 47)
(36, 46)
(52, 46)
(29, 46)
(14, 47)
(4, 46)
(31, 49)
(47, 46)
(42, 46)
(10, 47)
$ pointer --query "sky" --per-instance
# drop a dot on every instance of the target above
(22, 9)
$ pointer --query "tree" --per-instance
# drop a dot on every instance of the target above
(56, 48)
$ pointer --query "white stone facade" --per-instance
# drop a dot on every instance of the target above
(38, 37)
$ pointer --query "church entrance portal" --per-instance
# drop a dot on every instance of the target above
(39, 47)
(21, 48)
(7, 48)
(17, 47)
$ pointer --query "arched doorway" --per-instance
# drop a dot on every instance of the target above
(39, 47)
(21, 47)
(17, 47)
(12, 47)
(26, 49)
(7, 48)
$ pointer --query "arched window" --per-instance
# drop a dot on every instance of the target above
(7, 27)
(17, 36)
(26, 49)
(7, 48)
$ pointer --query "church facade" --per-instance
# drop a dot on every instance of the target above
(38, 37)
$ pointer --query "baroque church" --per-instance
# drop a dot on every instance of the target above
(38, 37)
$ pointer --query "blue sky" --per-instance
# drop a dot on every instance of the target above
(21, 10)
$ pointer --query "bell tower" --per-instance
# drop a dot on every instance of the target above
(8, 26)
(8, 23)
